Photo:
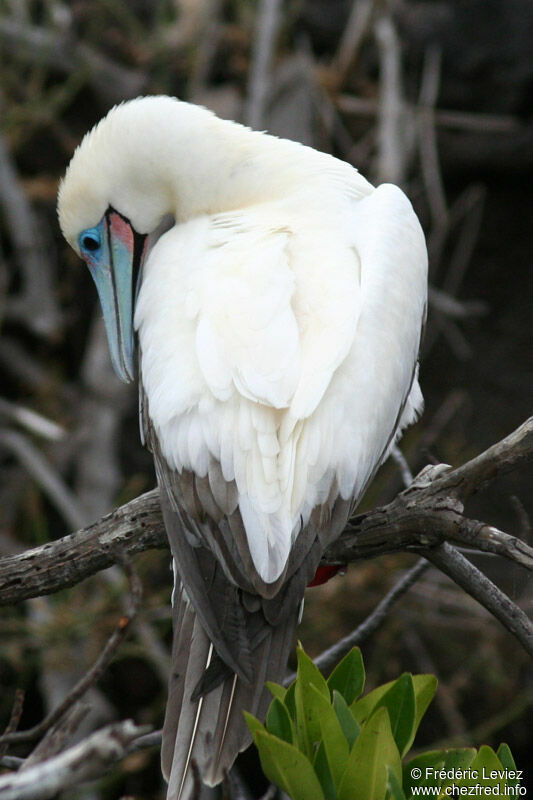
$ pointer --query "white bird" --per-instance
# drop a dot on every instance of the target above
(279, 315)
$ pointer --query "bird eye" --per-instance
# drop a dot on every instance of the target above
(90, 241)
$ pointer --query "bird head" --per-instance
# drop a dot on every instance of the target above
(107, 206)
(114, 251)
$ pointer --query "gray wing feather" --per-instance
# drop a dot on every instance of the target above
(232, 632)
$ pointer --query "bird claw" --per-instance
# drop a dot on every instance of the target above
(426, 476)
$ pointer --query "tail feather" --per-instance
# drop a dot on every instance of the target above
(211, 730)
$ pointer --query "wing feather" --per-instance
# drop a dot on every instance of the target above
(298, 354)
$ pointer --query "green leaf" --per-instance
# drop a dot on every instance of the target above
(348, 677)
(489, 771)
(309, 673)
(433, 760)
(278, 721)
(451, 761)
(335, 744)
(362, 709)
(253, 723)
(458, 758)
(307, 713)
(506, 757)
(287, 767)
(424, 687)
(290, 702)
(276, 690)
(399, 701)
(394, 787)
(350, 727)
(321, 767)
(365, 777)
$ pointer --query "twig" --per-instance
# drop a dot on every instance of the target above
(32, 421)
(444, 118)
(267, 26)
(394, 129)
(25, 367)
(469, 209)
(11, 762)
(429, 158)
(205, 33)
(355, 30)
(36, 304)
(112, 81)
(401, 461)
(14, 719)
(57, 735)
(496, 460)
(100, 411)
(459, 309)
(326, 660)
(95, 671)
(146, 741)
(235, 787)
(45, 475)
(444, 698)
(473, 581)
(442, 417)
(523, 517)
(84, 761)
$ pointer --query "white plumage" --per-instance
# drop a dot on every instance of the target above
(279, 323)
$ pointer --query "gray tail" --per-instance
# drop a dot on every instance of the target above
(208, 728)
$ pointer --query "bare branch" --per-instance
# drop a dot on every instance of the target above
(111, 80)
(403, 466)
(497, 460)
(57, 736)
(455, 120)
(31, 420)
(393, 127)
(429, 157)
(353, 36)
(132, 528)
(370, 625)
(14, 719)
(84, 761)
(93, 674)
(36, 304)
(422, 517)
(45, 475)
(473, 581)
(456, 308)
(268, 22)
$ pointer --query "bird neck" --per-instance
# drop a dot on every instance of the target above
(201, 164)
(157, 156)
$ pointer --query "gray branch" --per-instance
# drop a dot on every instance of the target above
(84, 761)
(419, 519)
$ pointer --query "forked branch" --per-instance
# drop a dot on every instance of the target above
(420, 519)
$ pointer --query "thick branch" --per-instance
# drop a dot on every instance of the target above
(132, 528)
(84, 761)
(497, 460)
(473, 581)
(425, 515)
(421, 518)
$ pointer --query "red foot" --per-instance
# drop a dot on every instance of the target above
(323, 574)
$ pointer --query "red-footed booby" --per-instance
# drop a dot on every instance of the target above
(278, 321)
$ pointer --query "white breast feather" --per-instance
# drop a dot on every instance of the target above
(283, 347)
